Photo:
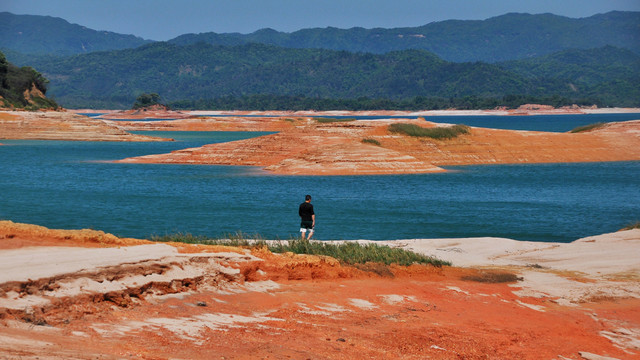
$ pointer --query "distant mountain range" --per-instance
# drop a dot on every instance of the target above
(40, 35)
(507, 37)
(592, 59)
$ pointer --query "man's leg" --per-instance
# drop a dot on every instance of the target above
(310, 234)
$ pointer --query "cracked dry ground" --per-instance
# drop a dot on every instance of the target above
(199, 302)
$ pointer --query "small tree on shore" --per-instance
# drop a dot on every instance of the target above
(146, 100)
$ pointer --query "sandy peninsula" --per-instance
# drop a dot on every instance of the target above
(306, 146)
(302, 145)
(85, 294)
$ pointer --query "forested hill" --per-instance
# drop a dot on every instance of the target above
(202, 71)
(609, 74)
(34, 34)
(22, 88)
(507, 37)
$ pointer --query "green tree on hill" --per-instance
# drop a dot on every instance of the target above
(146, 100)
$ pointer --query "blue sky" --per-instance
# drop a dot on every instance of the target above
(166, 19)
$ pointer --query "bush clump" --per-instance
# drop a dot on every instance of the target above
(493, 277)
(438, 133)
(588, 127)
(371, 141)
(348, 252)
(147, 100)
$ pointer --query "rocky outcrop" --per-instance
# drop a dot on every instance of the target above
(61, 125)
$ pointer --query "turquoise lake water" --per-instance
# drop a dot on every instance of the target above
(64, 184)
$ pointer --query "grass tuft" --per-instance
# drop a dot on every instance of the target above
(332, 120)
(588, 127)
(371, 141)
(632, 226)
(437, 133)
(348, 252)
(493, 277)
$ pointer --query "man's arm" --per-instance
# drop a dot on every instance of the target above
(313, 217)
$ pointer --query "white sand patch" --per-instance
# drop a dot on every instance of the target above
(457, 289)
(468, 251)
(189, 328)
(15, 301)
(596, 255)
(363, 304)
(325, 309)
(22, 342)
(86, 285)
(609, 260)
(262, 286)
(532, 306)
(562, 290)
(590, 356)
(625, 338)
(332, 307)
(179, 268)
(395, 299)
(310, 311)
(41, 262)
(254, 286)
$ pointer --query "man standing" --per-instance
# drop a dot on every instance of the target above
(307, 216)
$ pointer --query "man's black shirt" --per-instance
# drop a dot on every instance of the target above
(305, 211)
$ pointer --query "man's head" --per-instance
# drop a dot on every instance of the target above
(307, 198)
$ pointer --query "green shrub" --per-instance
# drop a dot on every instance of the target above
(588, 127)
(347, 252)
(371, 141)
(437, 133)
(632, 226)
(145, 100)
(493, 277)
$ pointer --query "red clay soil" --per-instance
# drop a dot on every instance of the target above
(344, 318)
(308, 147)
(307, 307)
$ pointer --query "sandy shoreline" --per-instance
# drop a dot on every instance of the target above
(82, 294)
